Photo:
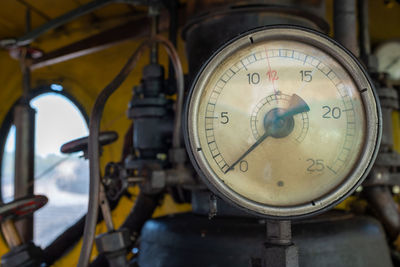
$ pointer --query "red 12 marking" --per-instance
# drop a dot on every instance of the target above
(272, 75)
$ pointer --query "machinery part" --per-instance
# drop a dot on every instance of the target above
(369, 60)
(114, 246)
(140, 213)
(68, 239)
(90, 224)
(153, 118)
(159, 179)
(10, 233)
(333, 239)
(389, 101)
(279, 232)
(24, 120)
(81, 144)
(381, 200)
(291, 122)
(384, 173)
(227, 22)
(21, 207)
(281, 256)
(20, 254)
(27, 52)
(17, 210)
(105, 209)
(279, 248)
(345, 24)
(380, 174)
(26, 255)
(61, 20)
(115, 180)
(388, 56)
(205, 202)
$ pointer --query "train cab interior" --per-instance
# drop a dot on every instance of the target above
(203, 133)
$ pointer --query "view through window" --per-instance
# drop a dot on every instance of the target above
(64, 179)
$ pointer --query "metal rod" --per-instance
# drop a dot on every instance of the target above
(54, 23)
(34, 9)
(345, 24)
(365, 45)
(279, 248)
(154, 13)
(369, 59)
(24, 120)
(98, 42)
(381, 200)
(279, 232)
(105, 209)
(173, 33)
(10, 234)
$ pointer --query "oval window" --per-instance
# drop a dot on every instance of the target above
(64, 179)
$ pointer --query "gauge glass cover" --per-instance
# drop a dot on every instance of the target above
(282, 122)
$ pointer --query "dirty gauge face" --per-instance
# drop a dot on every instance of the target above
(282, 122)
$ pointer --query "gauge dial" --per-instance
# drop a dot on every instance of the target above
(388, 55)
(282, 122)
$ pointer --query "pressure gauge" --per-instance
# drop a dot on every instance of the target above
(388, 55)
(282, 122)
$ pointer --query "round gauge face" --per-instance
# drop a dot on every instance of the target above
(388, 56)
(282, 122)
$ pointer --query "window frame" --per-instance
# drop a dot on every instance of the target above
(8, 120)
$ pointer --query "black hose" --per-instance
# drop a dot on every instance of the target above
(94, 126)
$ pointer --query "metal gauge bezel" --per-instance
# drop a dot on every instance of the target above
(356, 72)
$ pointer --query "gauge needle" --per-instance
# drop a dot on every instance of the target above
(392, 63)
(278, 123)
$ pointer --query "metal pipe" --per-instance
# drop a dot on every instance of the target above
(105, 209)
(54, 23)
(363, 16)
(279, 232)
(10, 234)
(94, 149)
(345, 24)
(173, 32)
(154, 13)
(381, 200)
(24, 120)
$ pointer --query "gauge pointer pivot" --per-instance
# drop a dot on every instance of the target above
(278, 123)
